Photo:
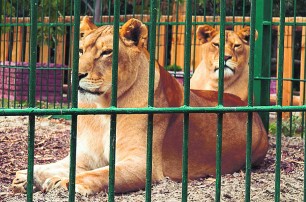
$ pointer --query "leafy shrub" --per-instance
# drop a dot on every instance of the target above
(173, 67)
(290, 127)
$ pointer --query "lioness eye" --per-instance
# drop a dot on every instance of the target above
(81, 51)
(237, 45)
(106, 52)
(216, 44)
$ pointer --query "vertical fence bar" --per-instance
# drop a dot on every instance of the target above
(204, 12)
(263, 56)
(302, 96)
(194, 36)
(97, 11)
(187, 57)
(220, 100)
(243, 12)
(152, 47)
(113, 125)
(48, 102)
(233, 13)
(70, 60)
(41, 56)
(16, 52)
(10, 56)
(55, 61)
(32, 86)
(125, 9)
(214, 12)
(158, 7)
(73, 137)
(218, 157)
(175, 35)
(292, 69)
(167, 34)
(279, 99)
(74, 103)
(250, 103)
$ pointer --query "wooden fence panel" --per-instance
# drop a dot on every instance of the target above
(4, 46)
(21, 54)
(17, 47)
(27, 45)
(287, 68)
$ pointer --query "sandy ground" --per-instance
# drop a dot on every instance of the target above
(51, 144)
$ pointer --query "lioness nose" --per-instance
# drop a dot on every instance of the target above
(227, 57)
(82, 76)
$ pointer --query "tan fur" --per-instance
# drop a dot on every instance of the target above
(131, 137)
(236, 53)
(86, 26)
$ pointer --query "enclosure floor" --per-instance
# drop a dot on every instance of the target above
(52, 140)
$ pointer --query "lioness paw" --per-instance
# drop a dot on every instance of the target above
(55, 182)
(19, 184)
(83, 190)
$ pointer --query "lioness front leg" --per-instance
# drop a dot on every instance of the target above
(130, 176)
(41, 174)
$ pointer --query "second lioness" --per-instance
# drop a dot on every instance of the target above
(236, 59)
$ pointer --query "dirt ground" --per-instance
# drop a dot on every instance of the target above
(51, 144)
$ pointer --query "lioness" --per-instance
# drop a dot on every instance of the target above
(95, 68)
(236, 59)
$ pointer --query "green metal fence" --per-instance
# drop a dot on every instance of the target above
(56, 27)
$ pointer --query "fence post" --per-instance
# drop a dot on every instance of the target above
(287, 71)
(302, 68)
(177, 45)
(263, 56)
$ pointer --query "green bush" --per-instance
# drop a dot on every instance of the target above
(290, 127)
(173, 67)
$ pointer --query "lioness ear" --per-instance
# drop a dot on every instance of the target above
(134, 32)
(86, 25)
(245, 33)
(206, 33)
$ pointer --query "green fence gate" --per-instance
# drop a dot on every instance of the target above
(39, 42)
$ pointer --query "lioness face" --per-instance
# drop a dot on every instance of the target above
(236, 51)
(95, 62)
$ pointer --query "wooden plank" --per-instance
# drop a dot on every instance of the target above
(5, 42)
(296, 100)
(238, 27)
(70, 63)
(17, 45)
(287, 67)
(3, 47)
(27, 45)
(160, 53)
(287, 85)
(60, 49)
(196, 45)
(44, 53)
(177, 43)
